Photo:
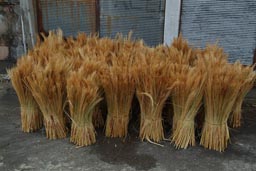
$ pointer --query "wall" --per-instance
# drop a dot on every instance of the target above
(17, 26)
(10, 32)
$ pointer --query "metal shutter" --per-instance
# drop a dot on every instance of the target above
(231, 22)
(69, 15)
(144, 17)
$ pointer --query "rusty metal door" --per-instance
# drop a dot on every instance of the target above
(71, 16)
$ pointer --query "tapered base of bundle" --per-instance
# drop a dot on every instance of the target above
(116, 126)
(151, 129)
(184, 134)
(97, 119)
(236, 116)
(215, 136)
(235, 120)
(82, 135)
(31, 119)
(55, 129)
(174, 123)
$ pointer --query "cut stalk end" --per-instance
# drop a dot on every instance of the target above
(82, 135)
(151, 129)
(184, 134)
(31, 118)
(117, 126)
(54, 129)
(215, 136)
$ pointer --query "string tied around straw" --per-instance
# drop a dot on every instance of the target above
(119, 117)
(148, 120)
(215, 124)
(186, 120)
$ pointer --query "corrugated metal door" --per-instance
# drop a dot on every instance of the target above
(71, 16)
(232, 23)
(144, 17)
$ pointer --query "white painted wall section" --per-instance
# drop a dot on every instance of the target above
(172, 20)
(29, 20)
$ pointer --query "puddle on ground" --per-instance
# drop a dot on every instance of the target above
(115, 151)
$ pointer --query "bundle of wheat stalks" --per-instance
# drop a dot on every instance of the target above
(31, 117)
(247, 80)
(78, 71)
(220, 94)
(119, 87)
(186, 100)
(47, 83)
(223, 83)
(48, 88)
(83, 95)
(188, 92)
(154, 82)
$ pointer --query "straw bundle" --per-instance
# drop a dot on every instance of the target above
(118, 55)
(119, 87)
(31, 117)
(205, 59)
(83, 96)
(48, 88)
(222, 85)
(40, 55)
(92, 54)
(154, 82)
(248, 76)
(187, 99)
(118, 84)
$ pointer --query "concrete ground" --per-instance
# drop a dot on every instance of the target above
(32, 151)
